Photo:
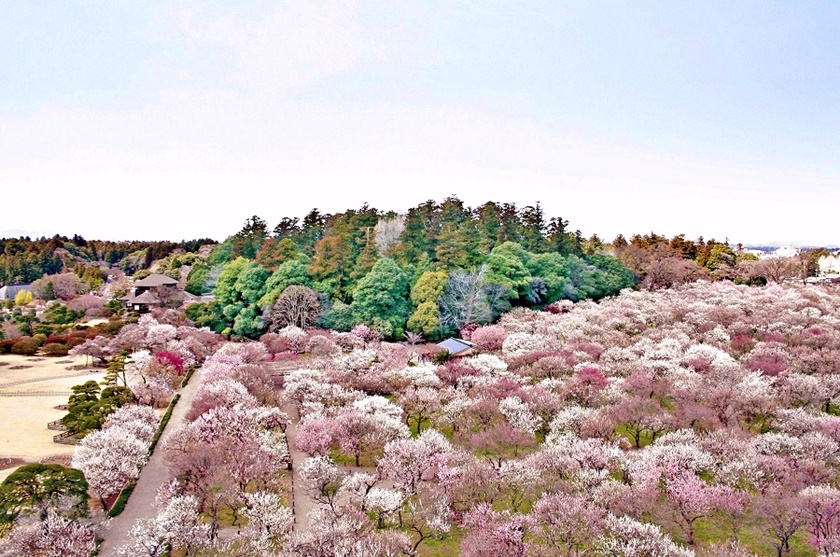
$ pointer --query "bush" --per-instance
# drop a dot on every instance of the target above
(74, 341)
(26, 346)
(55, 349)
(41, 339)
(122, 500)
(6, 346)
(490, 337)
(442, 356)
(55, 339)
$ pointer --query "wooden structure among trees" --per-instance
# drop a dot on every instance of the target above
(154, 290)
(9, 291)
(457, 347)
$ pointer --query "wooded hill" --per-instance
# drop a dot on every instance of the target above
(433, 270)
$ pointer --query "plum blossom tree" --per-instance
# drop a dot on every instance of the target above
(821, 504)
(322, 481)
(177, 526)
(626, 537)
(409, 462)
(113, 456)
(50, 535)
(565, 525)
(494, 533)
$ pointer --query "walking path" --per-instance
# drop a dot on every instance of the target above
(141, 504)
(301, 503)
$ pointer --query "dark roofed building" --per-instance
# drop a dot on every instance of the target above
(155, 289)
(9, 291)
(154, 281)
(142, 302)
(457, 346)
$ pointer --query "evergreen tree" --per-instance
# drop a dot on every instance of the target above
(381, 299)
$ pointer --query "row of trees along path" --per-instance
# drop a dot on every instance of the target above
(141, 504)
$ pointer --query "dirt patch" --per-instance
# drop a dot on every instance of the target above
(35, 359)
(7, 462)
(24, 419)
(20, 367)
(4, 364)
(64, 361)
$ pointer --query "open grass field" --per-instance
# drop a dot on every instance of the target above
(31, 388)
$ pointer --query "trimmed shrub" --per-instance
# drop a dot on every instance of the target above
(41, 339)
(26, 346)
(6, 346)
(55, 339)
(74, 341)
(55, 349)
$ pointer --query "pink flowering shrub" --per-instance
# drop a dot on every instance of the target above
(489, 337)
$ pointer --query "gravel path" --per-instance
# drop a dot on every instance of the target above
(40, 379)
(37, 393)
(302, 504)
(141, 504)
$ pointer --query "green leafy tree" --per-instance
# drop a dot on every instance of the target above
(507, 265)
(333, 261)
(291, 272)
(240, 286)
(49, 291)
(59, 314)
(116, 370)
(25, 320)
(458, 245)
(87, 407)
(426, 319)
(532, 236)
(197, 279)
(275, 252)
(248, 241)
(337, 316)
(551, 268)
(425, 295)
(429, 287)
(417, 237)
(206, 315)
(381, 299)
(25, 489)
(221, 253)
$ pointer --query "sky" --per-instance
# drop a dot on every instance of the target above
(180, 120)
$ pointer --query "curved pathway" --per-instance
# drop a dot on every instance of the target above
(141, 504)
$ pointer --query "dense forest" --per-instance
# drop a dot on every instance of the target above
(432, 271)
(23, 260)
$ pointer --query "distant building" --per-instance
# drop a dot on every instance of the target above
(829, 264)
(457, 347)
(784, 251)
(9, 291)
(155, 290)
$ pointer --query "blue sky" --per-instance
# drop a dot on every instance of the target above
(181, 119)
